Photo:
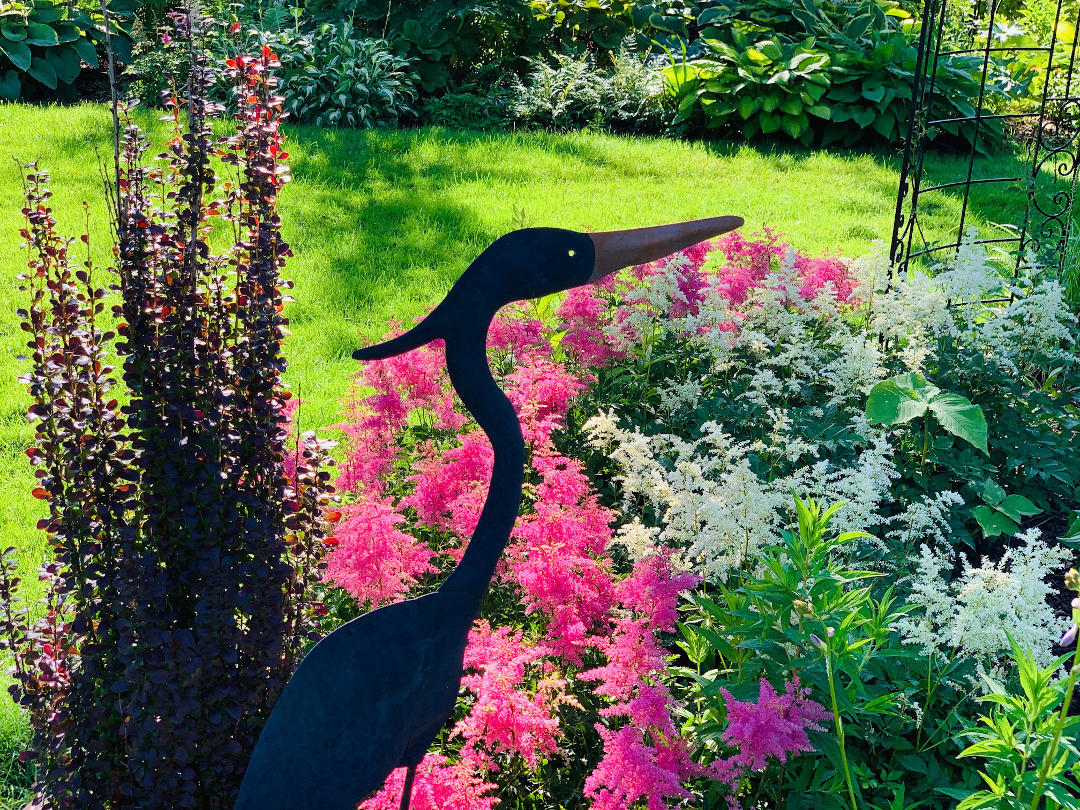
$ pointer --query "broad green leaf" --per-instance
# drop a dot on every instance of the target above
(67, 32)
(961, 418)
(769, 123)
(771, 103)
(43, 35)
(1017, 507)
(992, 492)
(14, 33)
(820, 111)
(41, 70)
(792, 105)
(795, 125)
(86, 50)
(65, 63)
(893, 404)
(17, 52)
(748, 106)
(10, 86)
(993, 522)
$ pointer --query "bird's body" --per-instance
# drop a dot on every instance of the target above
(373, 695)
(340, 762)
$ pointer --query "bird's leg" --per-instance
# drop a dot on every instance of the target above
(406, 791)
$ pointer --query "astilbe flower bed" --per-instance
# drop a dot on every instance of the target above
(566, 696)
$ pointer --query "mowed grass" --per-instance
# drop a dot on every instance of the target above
(381, 223)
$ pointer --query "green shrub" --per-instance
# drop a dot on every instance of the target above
(627, 97)
(825, 74)
(336, 77)
(44, 43)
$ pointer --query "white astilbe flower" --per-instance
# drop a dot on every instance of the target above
(970, 616)
(925, 521)
(678, 396)
(638, 540)
(1035, 321)
(857, 367)
(968, 275)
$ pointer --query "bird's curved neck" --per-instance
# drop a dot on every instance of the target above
(466, 363)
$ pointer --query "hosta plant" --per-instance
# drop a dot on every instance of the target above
(336, 78)
(43, 44)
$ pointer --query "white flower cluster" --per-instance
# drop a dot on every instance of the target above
(970, 615)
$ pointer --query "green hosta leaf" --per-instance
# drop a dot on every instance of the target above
(792, 105)
(1072, 534)
(65, 63)
(769, 123)
(17, 52)
(10, 86)
(757, 57)
(1017, 507)
(961, 418)
(892, 404)
(14, 33)
(42, 35)
(67, 32)
(993, 523)
(795, 125)
(748, 106)
(46, 14)
(86, 50)
(41, 70)
(820, 110)
(771, 103)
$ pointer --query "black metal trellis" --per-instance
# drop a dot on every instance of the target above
(1045, 190)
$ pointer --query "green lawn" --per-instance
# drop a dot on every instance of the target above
(382, 223)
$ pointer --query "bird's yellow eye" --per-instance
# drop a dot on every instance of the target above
(572, 253)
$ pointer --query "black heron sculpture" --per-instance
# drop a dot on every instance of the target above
(373, 695)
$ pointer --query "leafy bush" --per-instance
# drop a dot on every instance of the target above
(822, 74)
(185, 545)
(44, 43)
(575, 93)
(601, 26)
(334, 77)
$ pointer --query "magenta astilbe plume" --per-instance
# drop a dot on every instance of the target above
(584, 314)
(541, 391)
(774, 727)
(439, 785)
(374, 561)
(558, 558)
(507, 717)
(451, 485)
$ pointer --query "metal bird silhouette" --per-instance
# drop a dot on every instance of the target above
(373, 695)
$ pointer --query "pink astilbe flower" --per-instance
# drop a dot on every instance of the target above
(816, 273)
(414, 381)
(515, 331)
(451, 486)
(541, 391)
(558, 558)
(373, 561)
(507, 718)
(647, 758)
(774, 727)
(439, 785)
(584, 314)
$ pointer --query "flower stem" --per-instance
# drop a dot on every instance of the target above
(1048, 760)
(839, 730)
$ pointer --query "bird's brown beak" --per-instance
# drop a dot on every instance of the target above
(618, 249)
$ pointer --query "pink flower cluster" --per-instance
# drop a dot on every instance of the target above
(557, 562)
(774, 727)
(439, 785)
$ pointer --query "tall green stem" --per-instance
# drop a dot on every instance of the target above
(839, 730)
(1048, 760)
